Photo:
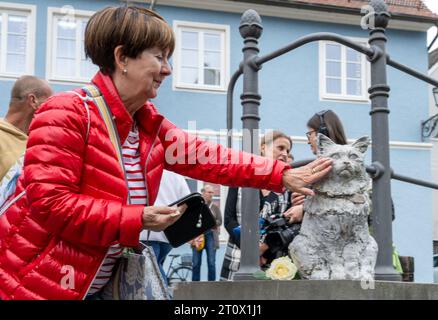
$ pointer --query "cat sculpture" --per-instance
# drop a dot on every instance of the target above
(334, 241)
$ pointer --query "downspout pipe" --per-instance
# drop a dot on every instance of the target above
(434, 39)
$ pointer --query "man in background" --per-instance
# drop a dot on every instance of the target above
(211, 238)
(28, 93)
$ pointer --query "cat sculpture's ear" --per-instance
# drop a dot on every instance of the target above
(323, 142)
(362, 144)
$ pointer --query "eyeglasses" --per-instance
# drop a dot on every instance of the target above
(308, 134)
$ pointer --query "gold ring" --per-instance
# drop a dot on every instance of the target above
(314, 171)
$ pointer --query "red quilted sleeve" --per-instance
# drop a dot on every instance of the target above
(211, 162)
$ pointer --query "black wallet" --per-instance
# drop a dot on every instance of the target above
(195, 220)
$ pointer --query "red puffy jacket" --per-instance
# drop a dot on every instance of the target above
(54, 239)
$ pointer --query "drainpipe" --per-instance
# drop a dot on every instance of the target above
(152, 5)
(434, 39)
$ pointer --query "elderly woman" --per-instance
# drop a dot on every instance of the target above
(74, 218)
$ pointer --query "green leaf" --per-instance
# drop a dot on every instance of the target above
(297, 276)
(260, 275)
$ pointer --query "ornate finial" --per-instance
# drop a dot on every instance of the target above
(379, 6)
(250, 24)
(380, 17)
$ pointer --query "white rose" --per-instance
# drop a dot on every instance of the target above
(281, 269)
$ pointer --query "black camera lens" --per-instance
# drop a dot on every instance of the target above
(280, 238)
(274, 241)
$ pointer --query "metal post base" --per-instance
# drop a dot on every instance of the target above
(246, 273)
(387, 274)
(244, 276)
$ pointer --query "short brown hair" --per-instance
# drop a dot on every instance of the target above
(135, 28)
(271, 136)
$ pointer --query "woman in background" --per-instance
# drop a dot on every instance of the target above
(276, 145)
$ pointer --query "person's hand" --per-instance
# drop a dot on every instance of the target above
(159, 218)
(182, 208)
(262, 248)
(294, 214)
(297, 199)
(263, 261)
(297, 179)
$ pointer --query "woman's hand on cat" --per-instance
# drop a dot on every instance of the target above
(297, 179)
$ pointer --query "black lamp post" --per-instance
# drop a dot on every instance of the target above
(429, 126)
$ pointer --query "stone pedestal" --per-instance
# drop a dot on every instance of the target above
(305, 290)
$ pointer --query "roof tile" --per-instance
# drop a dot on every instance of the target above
(407, 7)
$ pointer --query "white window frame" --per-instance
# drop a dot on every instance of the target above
(178, 26)
(366, 77)
(52, 12)
(19, 9)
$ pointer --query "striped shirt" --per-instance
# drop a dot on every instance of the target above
(138, 195)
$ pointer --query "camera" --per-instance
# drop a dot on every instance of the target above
(278, 234)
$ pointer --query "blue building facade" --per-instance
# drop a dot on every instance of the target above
(293, 87)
